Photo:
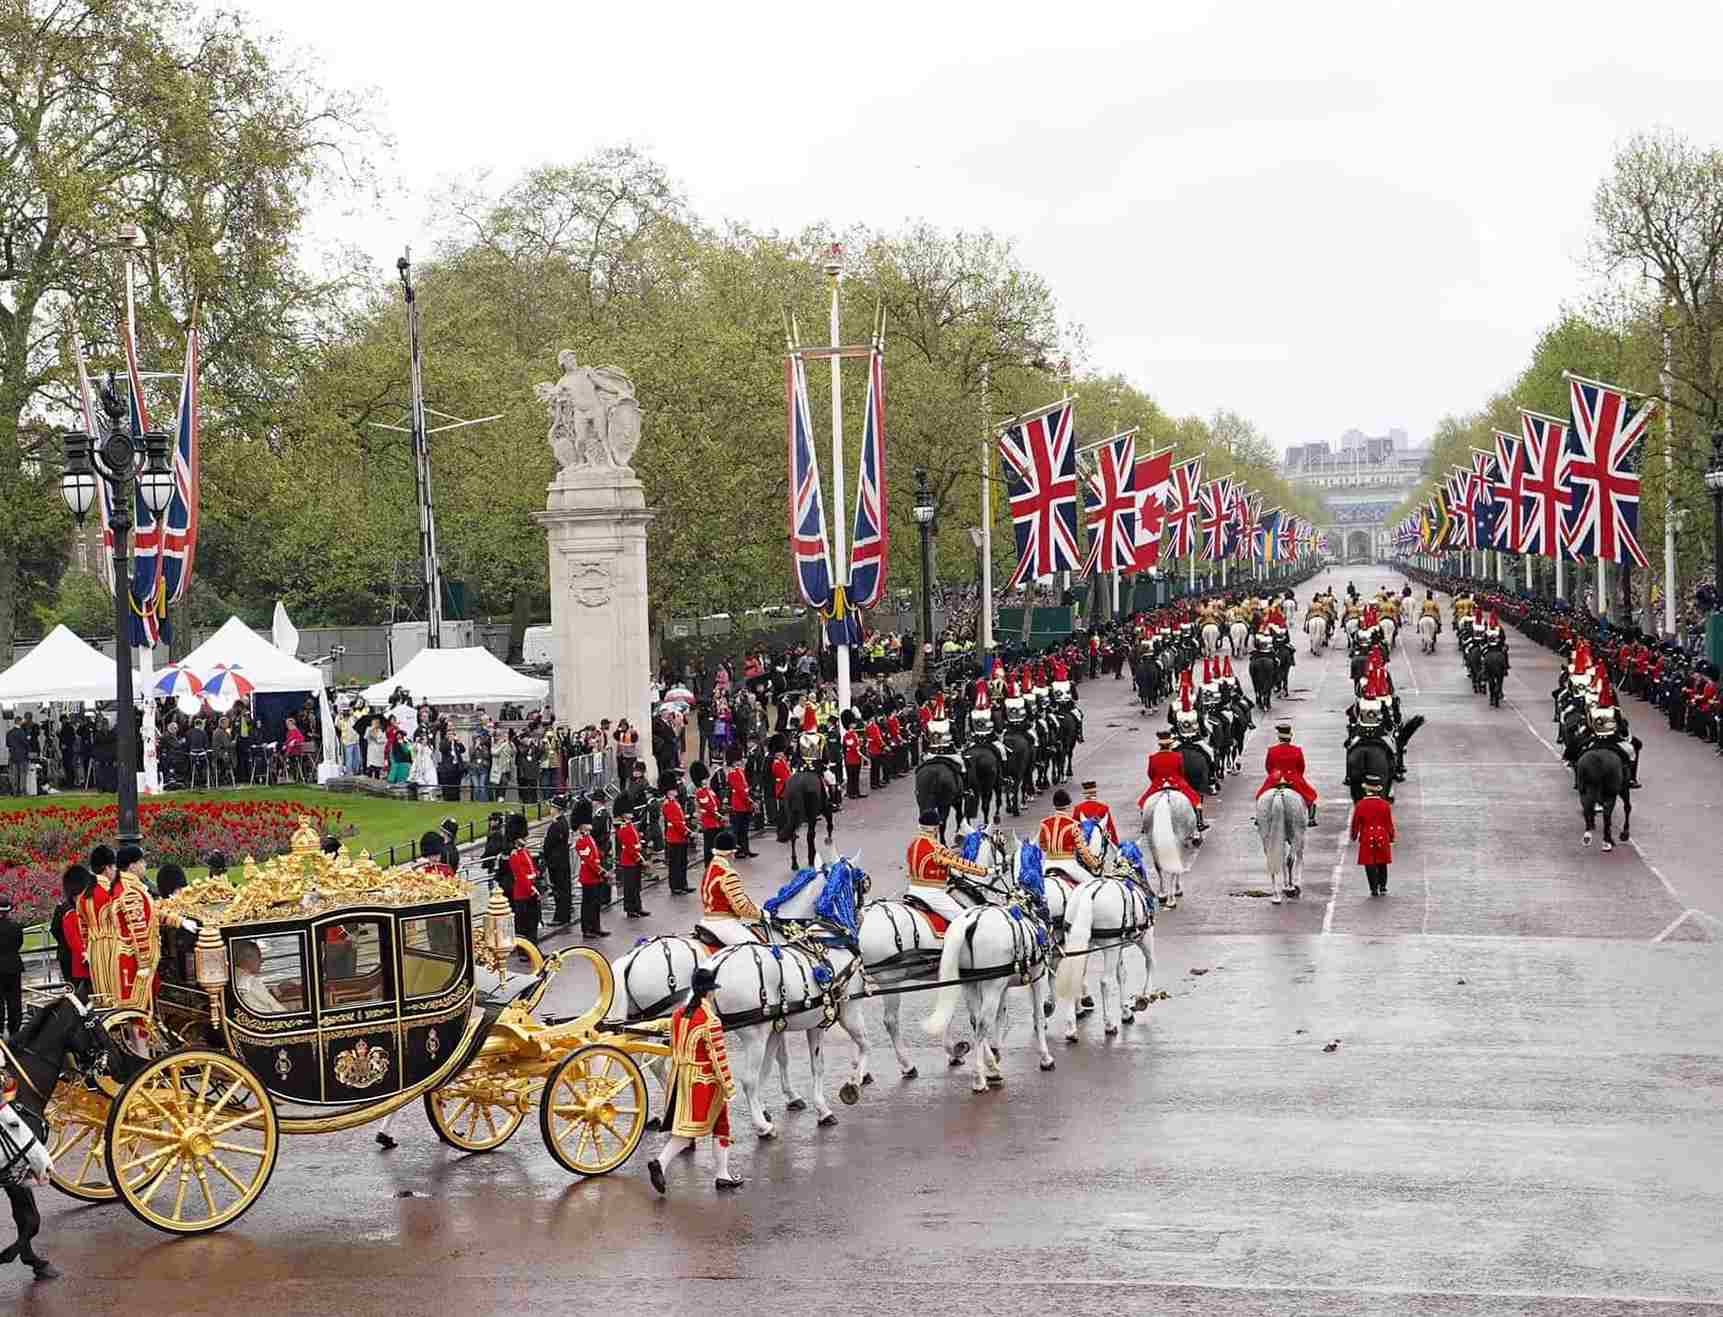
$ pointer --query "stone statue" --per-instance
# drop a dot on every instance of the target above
(594, 418)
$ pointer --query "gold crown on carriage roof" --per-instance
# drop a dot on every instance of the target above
(306, 880)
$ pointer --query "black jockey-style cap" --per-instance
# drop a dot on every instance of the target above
(724, 841)
(1091, 786)
(703, 980)
(1284, 728)
(1165, 734)
(929, 818)
(1061, 798)
(1372, 782)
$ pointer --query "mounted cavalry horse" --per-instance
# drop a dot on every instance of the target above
(806, 800)
(1106, 914)
(1281, 820)
(1167, 826)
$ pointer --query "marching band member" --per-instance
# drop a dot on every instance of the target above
(931, 866)
(1373, 830)
(724, 901)
(701, 1083)
(1284, 764)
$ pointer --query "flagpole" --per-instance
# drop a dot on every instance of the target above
(1668, 487)
(1602, 590)
(148, 768)
(840, 576)
(984, 632)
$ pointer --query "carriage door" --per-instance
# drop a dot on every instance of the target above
(436, 987)
(358, 1015)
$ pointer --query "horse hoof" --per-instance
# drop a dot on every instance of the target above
(45, 1270)
(769, 1132)
(978, 1088)
(1173, 901)
(796, 1104)
(1624, 834)
(960, 1049)
(1111, 1030)
(1585, 840)
(1607, 847)
(1141, 1003)
(1275, 898)
(849, 1095)
(996, 1081)
(1047, 1065)
(830, 1118)
(1047, 1010)
(867, 1079)
(9, 1255)
(911, 1073)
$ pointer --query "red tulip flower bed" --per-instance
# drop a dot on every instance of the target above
(36, 846)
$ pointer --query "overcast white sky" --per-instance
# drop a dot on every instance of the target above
(1321, 215)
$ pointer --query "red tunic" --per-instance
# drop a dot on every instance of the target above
(740, 801)
(1285, 767)
(591, 861)
(1167, 773)
(1059, 836)
(852, 748)
(703, 1080)
(628, 845)
(1373, 830)
(675, 822)
(780, 775)
(931, 865)
(524, 873)
(706, 801)
(875, 740)
(1101, 812)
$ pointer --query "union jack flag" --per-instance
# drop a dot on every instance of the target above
(1545, 485)
(809, 546)
(148, 612)
(1184, 508)
(179, 528)
(870, 543)
(1462, 502)
(1508, 491)
(1216, 518)
(1153, 480)
(1246, 512)
(1603, 523)
(1040, 455)
(96, 427)
(1109, 497)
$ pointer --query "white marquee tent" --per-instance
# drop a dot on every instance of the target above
(261, 663)
(62, 669)
(459, 676)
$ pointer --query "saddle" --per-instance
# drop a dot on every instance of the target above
(938, 922)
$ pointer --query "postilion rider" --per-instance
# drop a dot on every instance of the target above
(1284, 764)
(1061, 835)
(701, 1083)
(1167, 773)
(931, 866)
(728, 909)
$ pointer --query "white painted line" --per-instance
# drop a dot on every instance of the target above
(1658, 874)
(1675, 923)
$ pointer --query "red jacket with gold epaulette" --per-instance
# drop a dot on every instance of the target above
(931, 865)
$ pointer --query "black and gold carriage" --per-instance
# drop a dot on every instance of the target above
(320, 995)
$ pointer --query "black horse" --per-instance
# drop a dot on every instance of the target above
(1369, 756)
(804, 804)
(1495, 669)
(986, 778)
(1603, 778)
(1019, 769)
(60, 1032)
(939, 786)
(1200, 768)
(1264, 677)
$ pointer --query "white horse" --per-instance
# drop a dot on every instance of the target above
(1211, 640)
(1119, 913)
(1317, 625)
(1239, 637)
(1168, 824)
(1407, 613)
(1388, 628)
(1351, 625)
(1427, 634)
(990, 949)
(1280, 824)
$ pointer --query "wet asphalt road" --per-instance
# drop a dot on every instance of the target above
(1524, 1112)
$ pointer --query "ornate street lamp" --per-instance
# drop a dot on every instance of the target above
(121, 460)
(923, 513)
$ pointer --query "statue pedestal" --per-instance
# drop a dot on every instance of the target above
(596, 523)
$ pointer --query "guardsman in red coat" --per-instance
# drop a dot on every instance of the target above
(780, 779)
(852, 756)
(741, 809)
(1284, 764)
(702, 1083)
(1373, 830)
(894, 737)
(706, 806)
(676, 844)
(931, 866)
(1091, 806)
(1167, 773)
(876, 775)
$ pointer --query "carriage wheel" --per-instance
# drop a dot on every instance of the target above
(594, 1108)
(77, 1116)
(191, 1142)
(477, 1111)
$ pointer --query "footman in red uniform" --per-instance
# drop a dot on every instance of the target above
(701, 1083)
(1373, 830)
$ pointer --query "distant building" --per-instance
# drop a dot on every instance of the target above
(1361, 482)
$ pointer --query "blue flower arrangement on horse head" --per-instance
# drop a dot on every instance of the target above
(838, 900)
(1029, 872)
(972, 843)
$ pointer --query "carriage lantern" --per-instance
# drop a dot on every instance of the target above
(211, 961)
(499, 932)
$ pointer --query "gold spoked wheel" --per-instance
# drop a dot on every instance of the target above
(593, 1110)
(77, 1116)
(191, 1142)
(477, 1111)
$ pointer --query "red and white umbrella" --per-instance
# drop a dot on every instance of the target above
(229, 682)
(177, 683)
(678, 695)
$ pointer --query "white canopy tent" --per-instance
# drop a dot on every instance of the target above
(459, 676)
(62, 669)
(268, 669)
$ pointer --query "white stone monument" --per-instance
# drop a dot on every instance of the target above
(596, 521)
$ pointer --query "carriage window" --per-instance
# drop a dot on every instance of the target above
(268, 973)
(430, 954)
(352, 963)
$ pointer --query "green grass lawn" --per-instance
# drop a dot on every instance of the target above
(366, 822)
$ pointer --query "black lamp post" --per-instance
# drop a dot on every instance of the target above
(122, 459)
(923, 513)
